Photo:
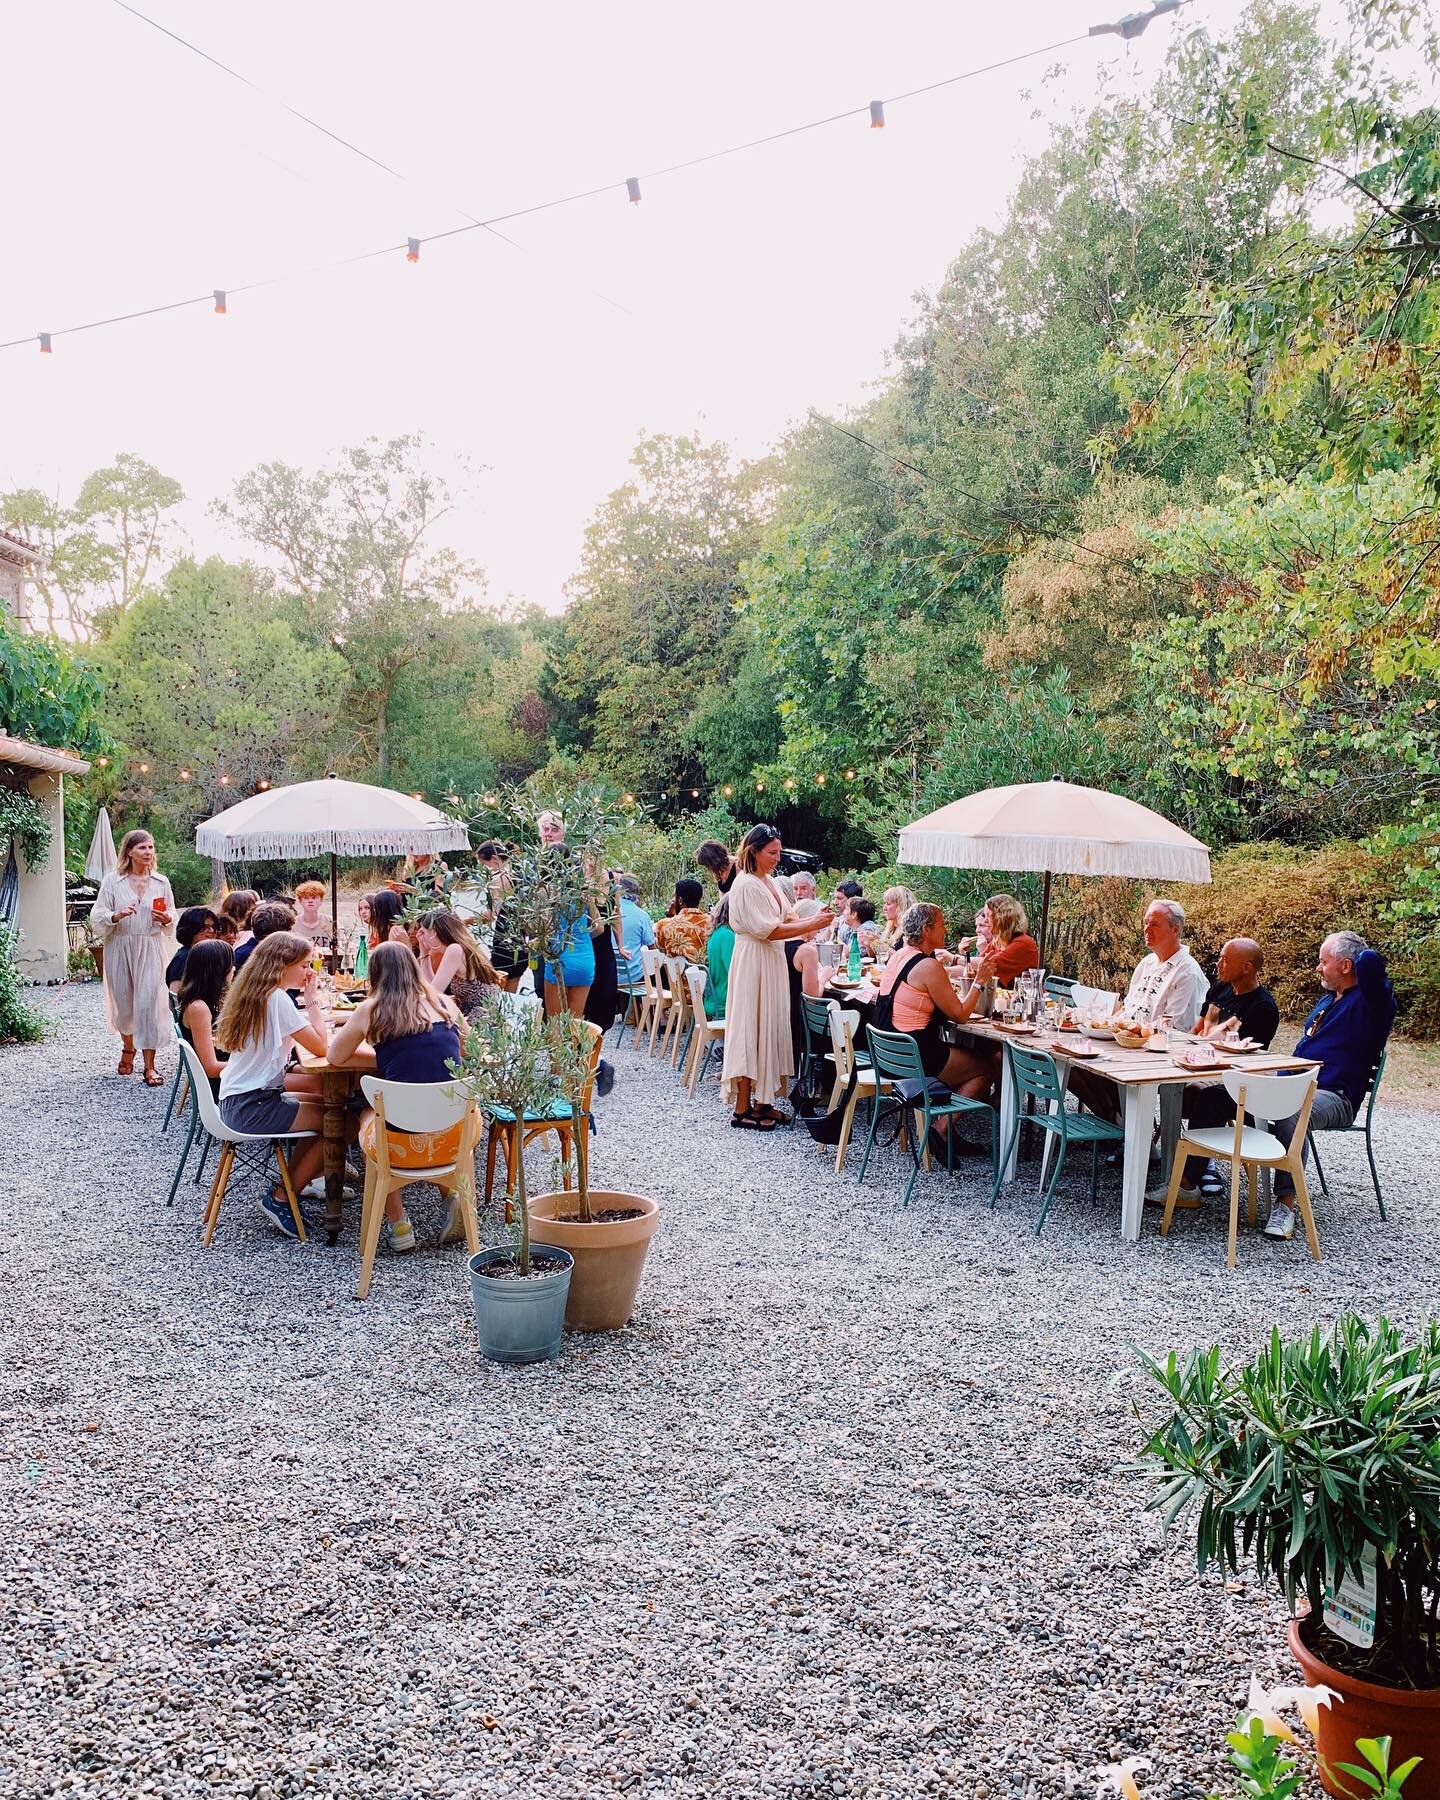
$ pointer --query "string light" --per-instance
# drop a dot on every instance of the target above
(144, 768)
(220, 300)
(412, 249)
(789, 781)
(632, 188)
(727, 790)
(820, 779)
(489, 799)
(759, 787)
(104, 761)
(877, 115)
(224, 781)
(849, 774)
(184, 774)
(262, 784)
(417, 795)
(45, 349)
(627, 799)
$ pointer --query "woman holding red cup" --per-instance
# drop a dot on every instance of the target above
(133, 914)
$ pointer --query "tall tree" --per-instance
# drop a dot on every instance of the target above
(356, 539)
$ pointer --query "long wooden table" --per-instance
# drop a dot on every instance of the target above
(1150, 1087)
(340, 1081)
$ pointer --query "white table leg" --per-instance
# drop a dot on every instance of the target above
(1062, 1069)
(1141, 1104)
(1008, 1110)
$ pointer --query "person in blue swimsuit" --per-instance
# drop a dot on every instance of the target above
(570, 960)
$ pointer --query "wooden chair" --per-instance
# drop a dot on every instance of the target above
(1248, 1147)
(843, 1026)
(679, 1018)
(660, 996)
(431, 1107)
(707, 1035)
(253, 1152)
(505, 1130)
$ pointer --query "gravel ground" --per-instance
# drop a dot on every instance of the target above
(837, 1515)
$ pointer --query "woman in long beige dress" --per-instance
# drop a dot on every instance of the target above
(133, 914)
(759, 1057)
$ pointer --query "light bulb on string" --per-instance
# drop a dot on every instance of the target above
(877, 115)
(104, 761)
(727, 790)
(224, 781)
(632, 188)
(412, 250)
(184, 774)
(45, 349)
(144, 768)
(849, 774)
(694, 793)
(627, 799)
(489, 799)
(759, 787)
(789, 782)
(262, 784)
(820, 779)
(219, 300)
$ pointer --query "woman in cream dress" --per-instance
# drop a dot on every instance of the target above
(133, 914)
(759, 1059)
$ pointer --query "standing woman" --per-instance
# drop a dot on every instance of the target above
(133, 913)
(759, 1058)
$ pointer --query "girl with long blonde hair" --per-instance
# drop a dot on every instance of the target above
(258, 1024)
(415, 1032)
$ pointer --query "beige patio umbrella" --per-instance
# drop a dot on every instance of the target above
(100, 858)
(1054, 828)
(331, 818)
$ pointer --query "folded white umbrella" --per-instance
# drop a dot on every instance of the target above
(1055, 828)
(331, 818)
(101, 857)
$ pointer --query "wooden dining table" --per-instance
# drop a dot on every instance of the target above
(1149, 1084)
(339, 1082)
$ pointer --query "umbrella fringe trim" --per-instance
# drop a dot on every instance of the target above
(1138, 861)
(273, 846)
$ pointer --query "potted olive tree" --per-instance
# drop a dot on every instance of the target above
(1320, 1459)
(557, 886)
(519, 1291)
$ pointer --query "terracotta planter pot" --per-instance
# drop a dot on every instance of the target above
(97, 956)
(609, 1257)
(1409, 1717)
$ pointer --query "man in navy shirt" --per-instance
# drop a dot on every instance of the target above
(1345, 1033)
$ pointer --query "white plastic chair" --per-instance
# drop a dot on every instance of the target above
(709, 1034)
(235, 1143)
(1091, 1002)
(1247, 1146)
(843, 1026)
(429, 1107)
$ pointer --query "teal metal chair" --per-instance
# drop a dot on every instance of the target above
(180, 1086)
(1367, 1128)
(1061, 988)
(1035, 1077)
(815, 1024)
(895, 1058)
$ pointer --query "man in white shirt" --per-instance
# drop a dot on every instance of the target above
(1168, 984)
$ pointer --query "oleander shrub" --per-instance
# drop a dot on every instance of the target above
(20, 1022)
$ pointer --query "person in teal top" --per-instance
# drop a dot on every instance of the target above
(718, 948)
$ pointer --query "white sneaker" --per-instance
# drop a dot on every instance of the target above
(400, 1236)
(1187, 1197)
(454, 1232)
(1281, 1223)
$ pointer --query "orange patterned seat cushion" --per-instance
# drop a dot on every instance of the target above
(413, 1149)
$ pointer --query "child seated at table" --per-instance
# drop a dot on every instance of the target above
(257, 1026)
(415, 1033)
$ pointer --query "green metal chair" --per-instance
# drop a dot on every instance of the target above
(895, 1058)
(1035, 1076)
(815, 1023)
(180, 1086)
(1366, 1127)
(1061, 988)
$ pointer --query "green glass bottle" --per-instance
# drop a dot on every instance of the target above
(362, 958)
(854, 964)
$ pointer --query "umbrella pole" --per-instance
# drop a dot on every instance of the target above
(1044, 918)
(334, 919)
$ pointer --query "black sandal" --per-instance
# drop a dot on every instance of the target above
(751, 1121)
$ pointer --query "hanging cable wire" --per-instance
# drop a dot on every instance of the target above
(624, 184)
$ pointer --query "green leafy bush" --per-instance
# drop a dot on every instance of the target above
(25, 819)
(20, 1023)
(48, 695)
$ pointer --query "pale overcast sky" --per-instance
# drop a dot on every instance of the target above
(754, 287)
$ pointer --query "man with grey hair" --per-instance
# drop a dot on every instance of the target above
(807, 895)
(1168, 983)
(1346, 1034)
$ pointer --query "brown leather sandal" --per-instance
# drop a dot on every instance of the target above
(126, 1064)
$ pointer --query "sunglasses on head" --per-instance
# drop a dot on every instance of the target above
(770, 837)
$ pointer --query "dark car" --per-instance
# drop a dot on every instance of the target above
(798, 862)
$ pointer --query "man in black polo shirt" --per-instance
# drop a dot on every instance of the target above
(1236, 1001)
